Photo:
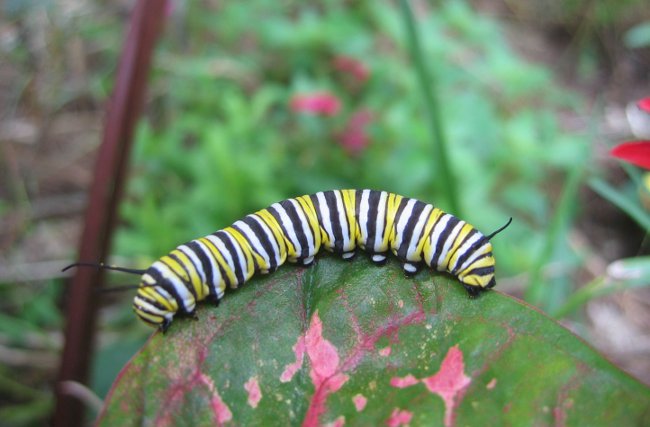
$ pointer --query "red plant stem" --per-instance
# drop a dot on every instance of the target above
(122, 113)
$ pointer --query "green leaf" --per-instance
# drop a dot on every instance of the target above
(351, 343)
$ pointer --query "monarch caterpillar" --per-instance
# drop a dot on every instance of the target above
(295, 230)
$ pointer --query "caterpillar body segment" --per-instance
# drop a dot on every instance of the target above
(295, 230)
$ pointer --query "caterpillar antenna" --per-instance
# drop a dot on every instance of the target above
(103, 266)
(494, 233)
(123, 288)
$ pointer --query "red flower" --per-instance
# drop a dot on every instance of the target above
(354, 137)
(352, 66)
(319, 103)
(644, 104)
(635, 152)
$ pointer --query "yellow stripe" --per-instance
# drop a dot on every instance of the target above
(249, 253)
(349, 202)
(153, 318)
(310, 212)
(149, 292)
(434, 216)
(391, 211)
(276, 229)
(222, 263)
(459, 239)
(200, 288)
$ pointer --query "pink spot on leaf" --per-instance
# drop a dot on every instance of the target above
(291, 369)
(220, 410)
(359, 401)
(399, 417)
(404, 382)
(339, 422)
(252, 386)
(449, 382)
(385, 351)
(325, 371)
(491, 384)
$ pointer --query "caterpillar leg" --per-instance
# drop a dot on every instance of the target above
(473, 291)
(306, 261)
(165, 325)
(379, 259)
(348, 255)
(213, 299)
(410, 269)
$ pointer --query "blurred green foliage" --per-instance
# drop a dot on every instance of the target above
(222, 141)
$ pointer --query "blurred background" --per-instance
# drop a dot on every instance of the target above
(253, 102)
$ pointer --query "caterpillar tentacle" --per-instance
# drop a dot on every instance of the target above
(295, 230)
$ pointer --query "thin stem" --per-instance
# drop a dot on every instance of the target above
(429, 90)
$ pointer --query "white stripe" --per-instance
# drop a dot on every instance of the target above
(364, 209)
(216, 273)
(464, 247)
(477, 253)
(382, 208)
(311, 250)
(224, 253)
(288, 226)
(195, 260)
(435, 236)
(325, 218)
(417, 234)
(447, 245)
(147, 307)
(253, 240)
(269, 234)
(187, 299)
(240, 256)
(404, 217)
(345, 230)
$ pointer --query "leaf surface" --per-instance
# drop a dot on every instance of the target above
(348, 343)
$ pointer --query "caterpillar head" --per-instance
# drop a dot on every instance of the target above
(478, 276)
(154, 302)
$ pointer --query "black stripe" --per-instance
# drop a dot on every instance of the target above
(188, 282)
(481, 271)
(373, 212)
(418, 207)
(195, 247)
(453, 221)
(274, 212)
(478, 259)
(472, 248)
(167, 286)
(154, 303)
(223, 273)
(263, 238)
(234, 254)
(255, 264)
(337, 230)
(291, 211)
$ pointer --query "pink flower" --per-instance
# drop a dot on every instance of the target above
(318, 103)
(635, 152)
(352, 66)
(354, 137)
(644, 104)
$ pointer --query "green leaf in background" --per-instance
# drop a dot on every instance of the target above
(354, 344)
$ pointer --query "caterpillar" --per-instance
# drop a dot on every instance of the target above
(295, 230)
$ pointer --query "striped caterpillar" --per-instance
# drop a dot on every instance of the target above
(339, 221)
